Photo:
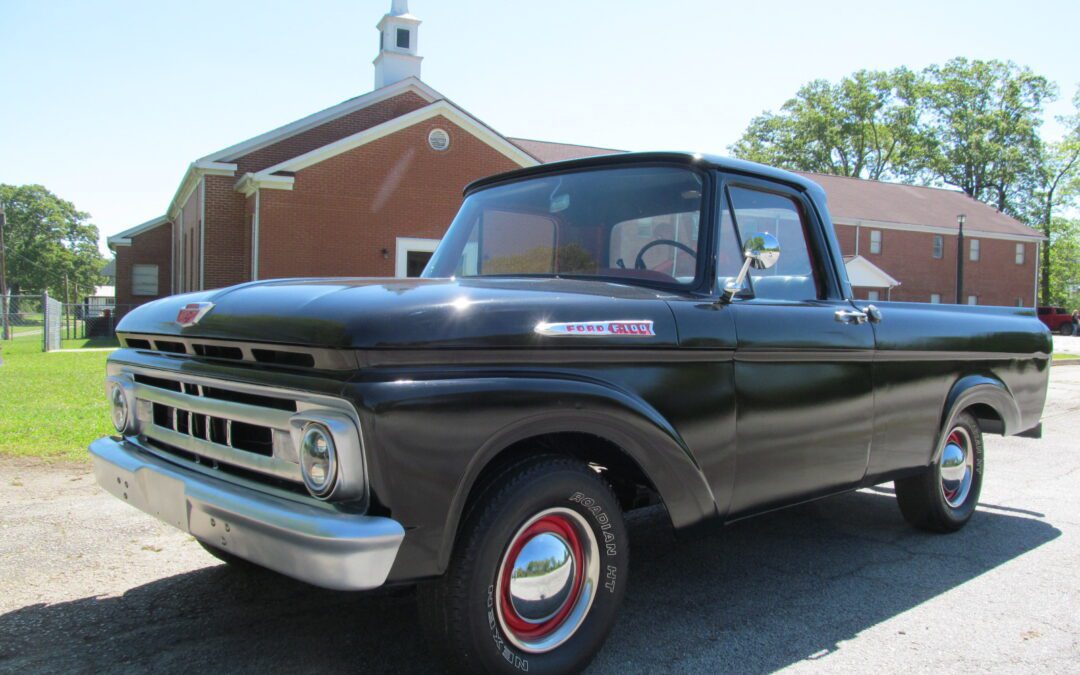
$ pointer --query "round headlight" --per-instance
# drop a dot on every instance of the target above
(120, 411)
(318, 460)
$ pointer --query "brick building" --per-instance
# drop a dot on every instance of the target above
(368, 187)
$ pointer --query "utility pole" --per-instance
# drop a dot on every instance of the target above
(3, 278)
(960, 219)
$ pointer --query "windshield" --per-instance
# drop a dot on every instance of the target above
(626, 223)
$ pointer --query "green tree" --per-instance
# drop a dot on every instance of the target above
(980, 122)
(1063, 277)
(48, 242)
(1049, 188)
(865, 126)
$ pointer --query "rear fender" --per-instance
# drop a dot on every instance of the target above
(973, 390)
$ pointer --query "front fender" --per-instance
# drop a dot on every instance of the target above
(433, 438)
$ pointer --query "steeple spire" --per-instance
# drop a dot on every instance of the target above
(398, 37)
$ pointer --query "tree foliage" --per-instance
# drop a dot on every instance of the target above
(47, 240)
(971, 124)
(864, 127)
(980, 126)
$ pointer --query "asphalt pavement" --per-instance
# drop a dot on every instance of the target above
(88, 584)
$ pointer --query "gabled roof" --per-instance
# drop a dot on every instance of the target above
(272, 177)
(558, 152)
(124, 238)
(854, 201)
(865, 274)
(301, 125)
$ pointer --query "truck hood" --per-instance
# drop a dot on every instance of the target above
(412, 313)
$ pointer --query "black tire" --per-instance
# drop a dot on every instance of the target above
(1065, 329)
(460, 611)
(922, 498)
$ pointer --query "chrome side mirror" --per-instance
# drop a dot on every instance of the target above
(761, 250)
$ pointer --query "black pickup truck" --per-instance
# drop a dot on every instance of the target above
(590, 337)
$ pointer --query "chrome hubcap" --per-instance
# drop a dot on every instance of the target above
(542, 578)
(957, 467)
(547, 580)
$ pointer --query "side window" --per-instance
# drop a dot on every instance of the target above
(793, 277)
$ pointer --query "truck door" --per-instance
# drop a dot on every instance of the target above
(803, 359)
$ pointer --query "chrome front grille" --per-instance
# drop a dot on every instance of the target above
(228, 426)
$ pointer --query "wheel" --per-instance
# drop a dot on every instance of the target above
(537, 574)
(943, 497)
(1065, 329)
(228, 558)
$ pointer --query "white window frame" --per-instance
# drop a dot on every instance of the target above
(146, 272)
(935, 298)
(938, 248)
(873, 296)
(974, 250)
(973, 300)
(406, 245)
(875, 241)
(1020, 253)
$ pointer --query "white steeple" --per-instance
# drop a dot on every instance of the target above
(398, 35)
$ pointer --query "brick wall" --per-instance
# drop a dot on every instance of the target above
(342, 212)
(152, 247)
(333, 130)
(228, 234)
(995, 279)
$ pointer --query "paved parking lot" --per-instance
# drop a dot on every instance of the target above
(89, 584)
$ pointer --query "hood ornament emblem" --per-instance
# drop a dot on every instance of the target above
(622, 328)
(191, 313)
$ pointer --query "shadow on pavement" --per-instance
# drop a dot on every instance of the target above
(755, 597)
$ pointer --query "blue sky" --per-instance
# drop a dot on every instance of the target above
(106, 103)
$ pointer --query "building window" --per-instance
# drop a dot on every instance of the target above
(973, 252)
(1019, 254)
(935, 298)
(1019, 302)
(875, 241)
(873, 296)
(973, 299)
(412, 256)
(939, 246)
(144, 280)
(403, 38)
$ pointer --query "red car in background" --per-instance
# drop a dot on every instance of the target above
(1058, 319)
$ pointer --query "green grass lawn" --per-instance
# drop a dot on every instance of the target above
(1064, 357)
(51, 405)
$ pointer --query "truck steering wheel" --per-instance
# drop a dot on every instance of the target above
(639, 262)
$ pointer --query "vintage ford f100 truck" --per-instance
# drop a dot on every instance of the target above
(590, 337)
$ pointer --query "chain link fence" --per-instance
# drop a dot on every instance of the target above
(21, 317)
(49, 322)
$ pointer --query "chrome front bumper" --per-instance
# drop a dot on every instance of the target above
(317, 545)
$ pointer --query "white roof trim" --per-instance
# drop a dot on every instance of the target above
(864, 274)
(250, 182)
(196, 170)
(442, 107)
(323, 116)
(124, 238)
(968, 231)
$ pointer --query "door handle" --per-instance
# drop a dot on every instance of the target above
(851, 316)
(873, 313)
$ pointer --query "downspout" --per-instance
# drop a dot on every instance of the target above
(202, 233)
(255, 239)
(856, 239)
